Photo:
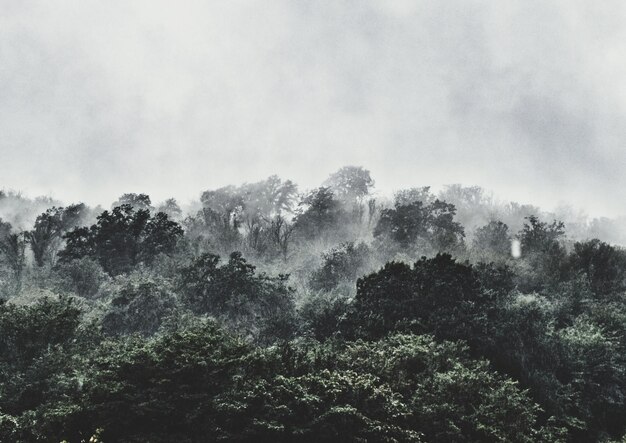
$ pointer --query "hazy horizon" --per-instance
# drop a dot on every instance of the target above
(526, 99)
(384, 195)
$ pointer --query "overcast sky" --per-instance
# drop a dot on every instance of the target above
(527, 98)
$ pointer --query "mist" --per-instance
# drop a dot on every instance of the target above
(306, 221)
(526, 98)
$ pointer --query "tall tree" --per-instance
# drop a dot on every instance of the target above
(538, 236)
(280, 233)
(434, 223)
(13, 249)
(350, 183)
(319, 212)
(45, 237)
(122, 238)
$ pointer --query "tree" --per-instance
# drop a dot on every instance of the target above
(533, 354)
(434, 223)
(123, 238)
(161, 390)
(246, 212)
(350, 184)
(404, 224)
(604, 266)
(46, 230)
(492, 241)
(5, 228)
(320, 213)
(342, 263)
(13, 249)
(160, 236)
(218, 223)
(37, 344)
(234, 293)
(45, 238)
(83, 276)
(322, 315)
(402, 388)
(538, 236)
(139, 306)
(265, 211)
(268, 198)
(453, 397)
(27, 332)
(474, 207)
(543, 252)
(226, 203)
(136, 201)
(280, 233)
(116, 238)
(408, 196)
(437, 295)
(171, 208)
(593, 366)
(445, 234)
(467, 197)
(211, 230)
(325, 406)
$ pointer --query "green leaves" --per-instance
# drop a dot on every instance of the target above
(123, 238)
(325, 406)
(437, 295)
(402, 388)
(198, 383)
(409, 222)
(236, 294)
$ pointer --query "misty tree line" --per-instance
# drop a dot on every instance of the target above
(269, 314)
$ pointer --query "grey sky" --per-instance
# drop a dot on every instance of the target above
(527, 98)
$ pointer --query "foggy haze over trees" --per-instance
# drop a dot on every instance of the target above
(301, 221)
(525, 98)
(267, 312)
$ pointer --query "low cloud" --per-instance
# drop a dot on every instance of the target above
(527, 98)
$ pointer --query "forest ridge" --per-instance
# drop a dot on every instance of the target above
(269, 314)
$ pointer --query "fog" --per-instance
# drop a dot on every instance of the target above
(527, 98)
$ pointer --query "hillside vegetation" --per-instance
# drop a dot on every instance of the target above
(271, 314)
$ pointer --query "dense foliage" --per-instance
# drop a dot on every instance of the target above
(265, 314)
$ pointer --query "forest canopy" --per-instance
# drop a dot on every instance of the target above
(270, 313)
